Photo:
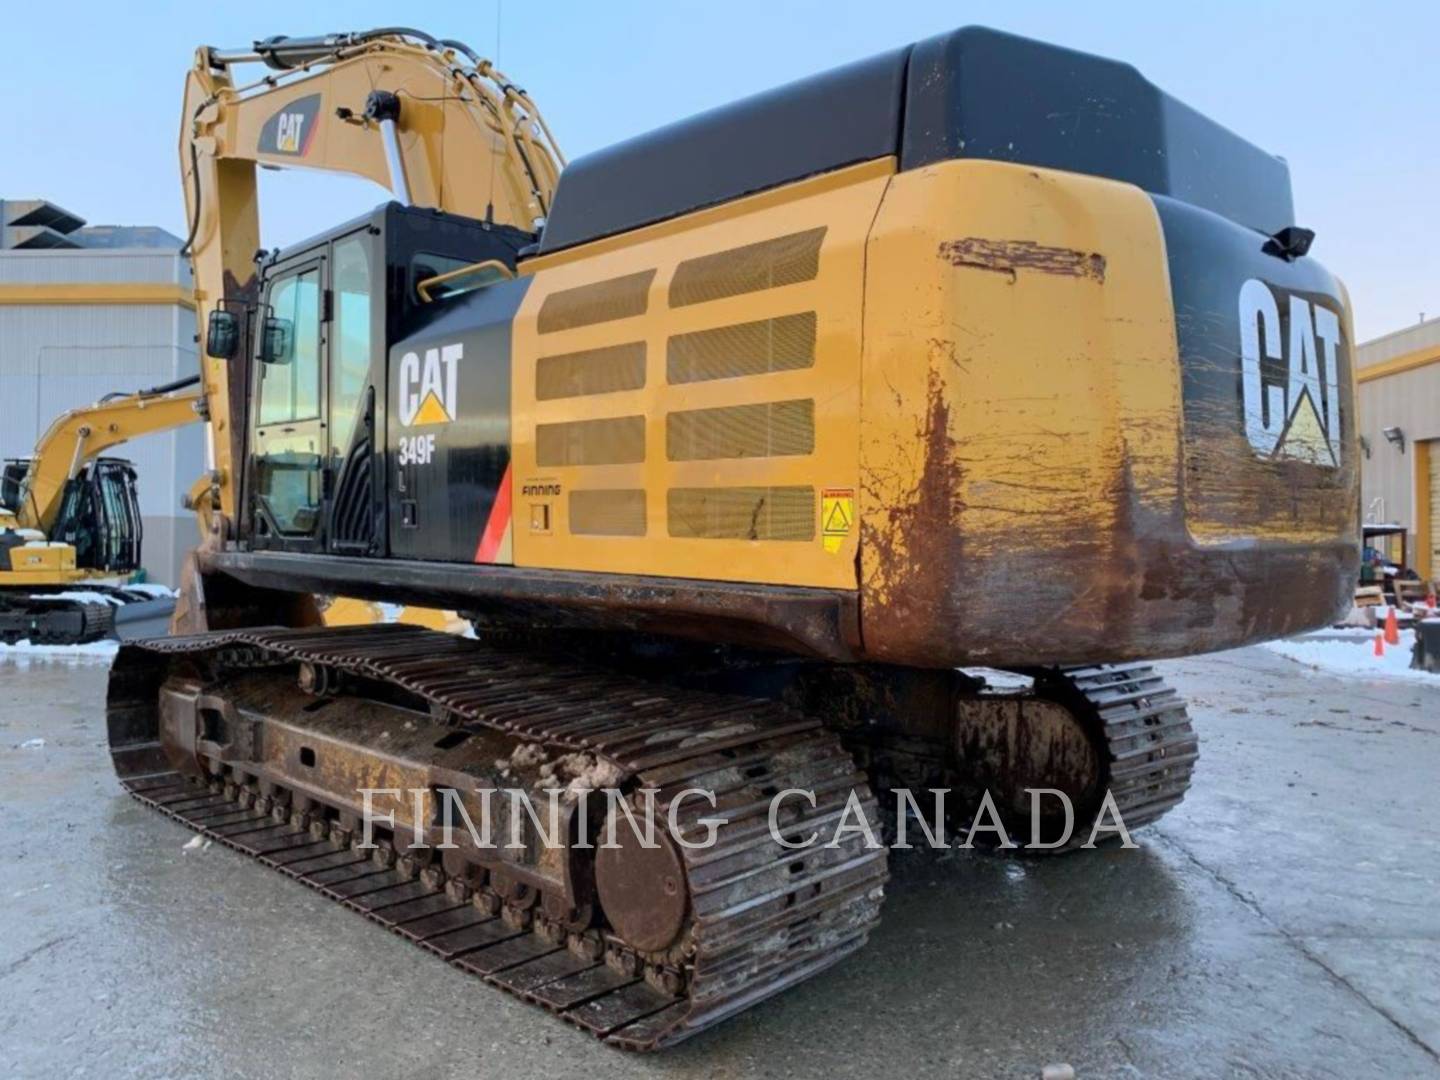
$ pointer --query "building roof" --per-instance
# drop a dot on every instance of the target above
(40, 225)
(1422, 337)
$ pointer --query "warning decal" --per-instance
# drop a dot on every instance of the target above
(837, 514)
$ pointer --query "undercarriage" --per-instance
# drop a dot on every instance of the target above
(349, 758)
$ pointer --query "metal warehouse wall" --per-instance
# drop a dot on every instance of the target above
(1399, 387)
(55, 357)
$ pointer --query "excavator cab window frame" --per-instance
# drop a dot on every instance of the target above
(12, 482)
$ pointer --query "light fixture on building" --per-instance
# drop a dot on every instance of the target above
(1394, 435)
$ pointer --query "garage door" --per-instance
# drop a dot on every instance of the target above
(1433, 540)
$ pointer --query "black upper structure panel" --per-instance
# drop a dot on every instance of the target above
(836, 118)
(980, 93)
(970, 93)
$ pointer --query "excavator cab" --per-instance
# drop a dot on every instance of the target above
(317, 366)
(100, 517)
(12, 475)
(99, 513)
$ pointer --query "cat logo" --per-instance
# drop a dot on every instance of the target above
(1291, 395)
(291, 130)
(426, 389)
(287, 133)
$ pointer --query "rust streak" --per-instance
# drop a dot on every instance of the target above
(1012, 256)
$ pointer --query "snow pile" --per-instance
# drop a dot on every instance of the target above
(85, 596)
(1354, 656)
(152, 590)
(94, 650)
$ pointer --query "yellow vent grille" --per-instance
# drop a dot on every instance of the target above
(617, 440)
(742, 513)
(592, 371)
(608, 512)
(770, 429)
(603, 301)
(766, 265)
(753, 348)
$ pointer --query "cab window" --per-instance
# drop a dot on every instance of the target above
(349, 339)
(290, 384)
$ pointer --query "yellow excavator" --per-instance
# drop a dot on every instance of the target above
(743, 446)
(70, 526)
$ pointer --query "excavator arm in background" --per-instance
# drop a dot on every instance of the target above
(427, 118)
(83, 434)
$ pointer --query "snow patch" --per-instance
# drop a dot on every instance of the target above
(151, 589)
(1355, 657)
(85, 596)
(995, 679)
(23, 651)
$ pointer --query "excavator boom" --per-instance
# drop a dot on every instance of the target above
(427, 118)
(83, 434)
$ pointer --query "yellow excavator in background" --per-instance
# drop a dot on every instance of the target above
(70, 527)
(71, 564)
(739, 444)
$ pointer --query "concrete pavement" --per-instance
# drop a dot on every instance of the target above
(1284, 921)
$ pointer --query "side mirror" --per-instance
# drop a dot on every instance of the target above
(222, 336)
(277, 336)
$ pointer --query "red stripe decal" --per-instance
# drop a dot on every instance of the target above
(310, 135)
(499, 521)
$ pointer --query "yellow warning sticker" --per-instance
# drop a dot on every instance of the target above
(837, 515)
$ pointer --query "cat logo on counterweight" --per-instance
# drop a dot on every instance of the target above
(1291, 395)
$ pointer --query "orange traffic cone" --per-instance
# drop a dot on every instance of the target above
(1392, 628)
(1379, 644)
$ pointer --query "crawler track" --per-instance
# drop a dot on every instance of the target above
(760, 917)
(1150, 747)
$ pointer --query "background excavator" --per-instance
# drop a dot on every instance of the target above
(739, 445)
(70, 528)
(71, 536)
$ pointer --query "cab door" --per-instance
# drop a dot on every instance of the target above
(289, 436)
(356, 380)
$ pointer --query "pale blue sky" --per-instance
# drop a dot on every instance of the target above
(1347, 92)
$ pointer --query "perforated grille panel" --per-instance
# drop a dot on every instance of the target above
(602, 301)
(591, 371)
(618, 440)
(769, 429)
(753, 348)
(608, 512)
(742, 513)
(764, 265)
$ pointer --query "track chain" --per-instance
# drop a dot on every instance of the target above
(761, 917)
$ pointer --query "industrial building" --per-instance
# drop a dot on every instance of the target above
(87, 310)
(1399, 406)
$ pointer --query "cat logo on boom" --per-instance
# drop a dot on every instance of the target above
(426, 391)
(1289, 416)
(291, 130)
